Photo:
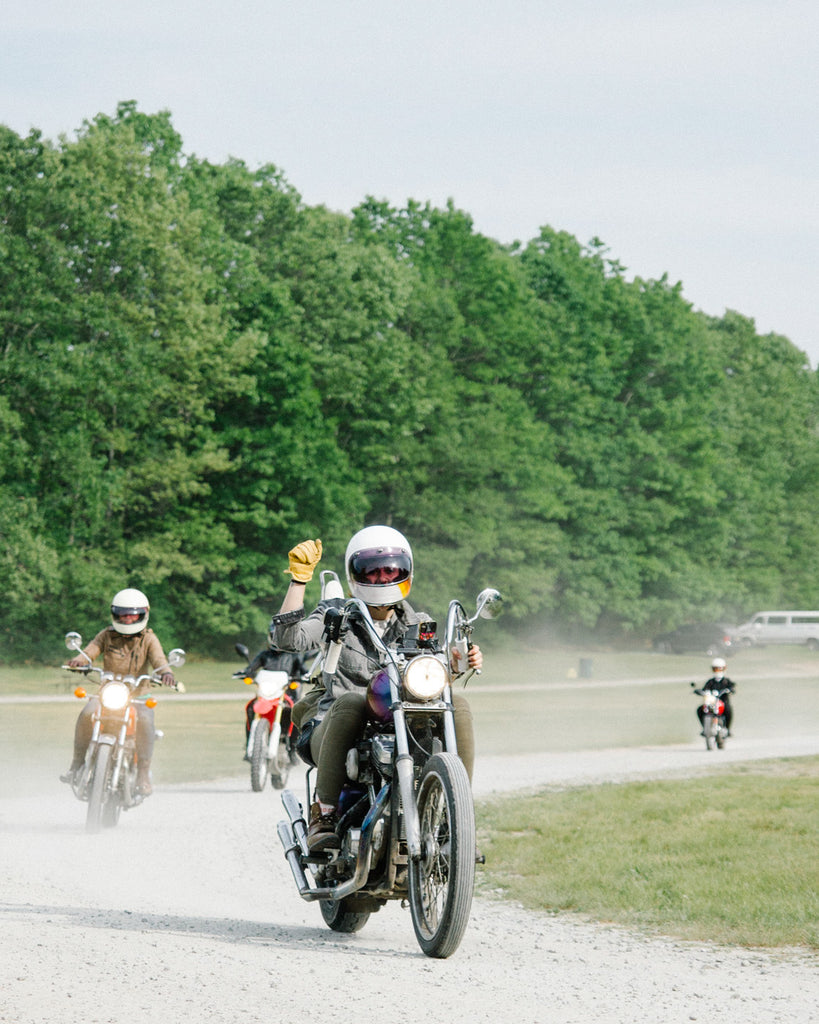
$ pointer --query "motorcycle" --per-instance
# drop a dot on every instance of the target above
(406, 821)
(107, 778)
(714, 728)
(271, 746)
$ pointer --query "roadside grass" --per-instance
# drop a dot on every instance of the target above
(728, 858)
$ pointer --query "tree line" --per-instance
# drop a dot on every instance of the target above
(198, 370)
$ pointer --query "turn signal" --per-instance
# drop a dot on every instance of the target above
(80, 692)
(150, 702)
(248, 680)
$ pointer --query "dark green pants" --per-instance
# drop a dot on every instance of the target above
(343, 724)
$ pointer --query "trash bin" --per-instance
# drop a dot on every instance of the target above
(585, 668)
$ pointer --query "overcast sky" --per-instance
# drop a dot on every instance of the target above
(683, 133)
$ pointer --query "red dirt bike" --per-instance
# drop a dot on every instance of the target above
(714, 728)
(270, 734)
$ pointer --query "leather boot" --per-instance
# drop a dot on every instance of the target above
(143, 779)
(321, 830)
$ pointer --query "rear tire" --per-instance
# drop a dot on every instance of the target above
(338, 917)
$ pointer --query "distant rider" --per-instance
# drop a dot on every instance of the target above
(379, 572)
(273, 660)
(127, 647)
(717, 683)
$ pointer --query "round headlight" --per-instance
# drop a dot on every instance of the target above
(114, 696)
(425, 678)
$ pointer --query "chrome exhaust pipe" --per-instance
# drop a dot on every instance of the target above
(292, 839)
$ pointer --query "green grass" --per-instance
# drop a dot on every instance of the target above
(730, 858)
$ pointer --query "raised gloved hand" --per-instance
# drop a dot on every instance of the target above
(303, 559)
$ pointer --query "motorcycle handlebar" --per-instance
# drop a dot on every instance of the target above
(133, 681)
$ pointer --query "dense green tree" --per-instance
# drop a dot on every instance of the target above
(197, 371)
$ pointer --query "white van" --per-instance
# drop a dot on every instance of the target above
(779, 628)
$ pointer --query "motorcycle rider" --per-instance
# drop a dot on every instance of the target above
(379, 568)
(718, 682)
(127, 647)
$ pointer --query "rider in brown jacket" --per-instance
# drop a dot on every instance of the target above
(127, 647)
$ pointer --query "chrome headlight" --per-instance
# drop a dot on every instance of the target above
(114, 695)
(425, 678)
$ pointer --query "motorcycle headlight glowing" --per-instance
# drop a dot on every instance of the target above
(425, 678)
(114, 695)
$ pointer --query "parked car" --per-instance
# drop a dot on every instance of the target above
(709, 638)
(788, 627)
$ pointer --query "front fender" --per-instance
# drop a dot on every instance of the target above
(263, 706)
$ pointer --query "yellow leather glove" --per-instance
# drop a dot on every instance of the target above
(303, 559)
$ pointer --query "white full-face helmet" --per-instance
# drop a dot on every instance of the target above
(379, 566)
(718, 667)
(126, 604)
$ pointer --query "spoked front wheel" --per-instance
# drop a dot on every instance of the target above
(442, 879)
(99, 785)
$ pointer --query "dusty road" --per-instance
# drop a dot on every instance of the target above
(186, 911)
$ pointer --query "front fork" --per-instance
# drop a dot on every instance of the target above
(405, 766)
(119, 750)
(275, 727)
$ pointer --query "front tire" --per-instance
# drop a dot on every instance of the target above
(442, 879)
(99, 784)
(258, 755)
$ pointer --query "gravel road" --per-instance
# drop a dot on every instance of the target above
(187, 911)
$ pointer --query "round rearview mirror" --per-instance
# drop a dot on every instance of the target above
(176, 657)
(490, 603)
(73, 641)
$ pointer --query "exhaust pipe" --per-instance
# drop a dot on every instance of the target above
(293, 837)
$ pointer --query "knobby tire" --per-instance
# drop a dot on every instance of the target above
(258, 756)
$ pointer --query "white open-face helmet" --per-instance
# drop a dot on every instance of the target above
(125, 604)
(379, 566)
(718, 666)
